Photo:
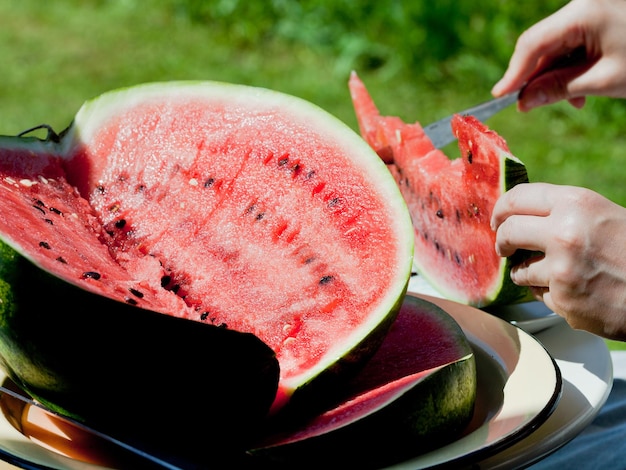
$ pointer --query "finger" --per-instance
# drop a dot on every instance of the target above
(532, 273)
(576, 321)
(553, 86)
(541, 293)
(578, 102)
(524, 232)
(605, 78)
(526, 62)
(523, 199)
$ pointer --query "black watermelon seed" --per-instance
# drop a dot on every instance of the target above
(470, 157)
(120, 223)
(325, 280)
(209, 182)
(44, 245)
(56, 211)
(39, 209)
(136, 293)
(165, 280)
(48, 221)
(91, 275)
(39, 202)
(260, 216)
(333, 202)
(60, 259)
(204, 316)
(130, 301)
(440, 214)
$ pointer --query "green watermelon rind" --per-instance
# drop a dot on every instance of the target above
(315, 395)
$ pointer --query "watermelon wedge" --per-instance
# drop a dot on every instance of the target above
(416, 393)
(450, 200)
(241, 209)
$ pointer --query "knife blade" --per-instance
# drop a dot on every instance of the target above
(440, 132)
(132, 449)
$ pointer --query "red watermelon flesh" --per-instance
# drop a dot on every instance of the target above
(228, 205)
(56, 228)
(450, 200)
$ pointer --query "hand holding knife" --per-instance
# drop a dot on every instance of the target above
(440, 132)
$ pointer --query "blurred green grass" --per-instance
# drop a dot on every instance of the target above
(420, 61)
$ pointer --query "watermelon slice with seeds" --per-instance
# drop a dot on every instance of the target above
(253, 217)
(450, 200)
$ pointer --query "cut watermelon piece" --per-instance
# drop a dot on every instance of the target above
(416, 393)
(450, 200)
(237, 207)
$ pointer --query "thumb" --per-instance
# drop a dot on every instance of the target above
(552, 86)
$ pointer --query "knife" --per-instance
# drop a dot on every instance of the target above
(133, 450)
(440, 132)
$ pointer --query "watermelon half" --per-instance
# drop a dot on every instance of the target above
(249, 212)
(450, 200)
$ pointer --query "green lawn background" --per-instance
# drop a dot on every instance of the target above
(420, 60)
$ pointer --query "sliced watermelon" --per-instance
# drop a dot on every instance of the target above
(237, 207)
(416, 394)
(450, 200)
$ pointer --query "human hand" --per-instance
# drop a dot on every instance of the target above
(599, 26)
(581, 274)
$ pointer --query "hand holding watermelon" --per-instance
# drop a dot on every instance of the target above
(597, 27)
(582, 273)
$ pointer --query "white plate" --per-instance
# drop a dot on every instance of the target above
(532, 317)
(585, 363)
(509, 362)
